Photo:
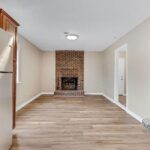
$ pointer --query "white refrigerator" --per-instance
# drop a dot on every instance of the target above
(6, 65)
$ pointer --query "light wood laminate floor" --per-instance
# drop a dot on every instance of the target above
(122, 100)
(86, 123)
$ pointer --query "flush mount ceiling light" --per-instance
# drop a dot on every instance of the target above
(71, 36)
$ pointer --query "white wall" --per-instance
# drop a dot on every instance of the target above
(138, 73)
(93, 69)
(48, 72)
(29, 71)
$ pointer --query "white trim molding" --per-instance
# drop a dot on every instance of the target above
(110, 99)
(134, 115)
(107, 97)
(137, 117)
(32, 99)
(44, 93)
(116, 66)
(47, 93)
(27, 102)
(86, 93)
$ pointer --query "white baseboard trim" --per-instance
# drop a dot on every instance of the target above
(110, 99)
(137, 117)
(107, 97)
(27, 102)
(47, 93)
(134, 115)
(44, 93)
(92, 93)
(32, 99)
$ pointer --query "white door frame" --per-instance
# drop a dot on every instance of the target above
(125, 48)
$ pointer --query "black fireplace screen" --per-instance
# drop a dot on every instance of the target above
(69, 83)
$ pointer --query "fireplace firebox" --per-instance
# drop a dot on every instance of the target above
(69, 83)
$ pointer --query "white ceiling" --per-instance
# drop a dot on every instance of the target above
(99, 22)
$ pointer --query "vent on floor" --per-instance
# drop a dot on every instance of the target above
(146, 123)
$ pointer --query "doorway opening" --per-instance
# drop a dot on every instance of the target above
(121, 75)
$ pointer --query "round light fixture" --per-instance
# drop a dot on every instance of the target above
(71, 36)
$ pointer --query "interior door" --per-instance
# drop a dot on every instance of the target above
(121, 75)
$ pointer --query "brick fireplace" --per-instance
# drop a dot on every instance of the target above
(69, 73)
